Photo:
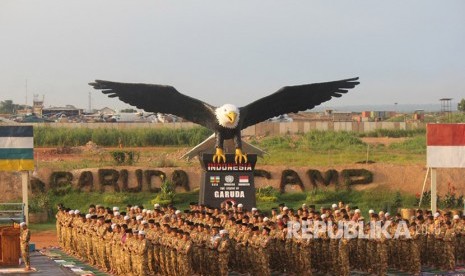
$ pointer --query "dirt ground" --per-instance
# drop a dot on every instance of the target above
(44, 239)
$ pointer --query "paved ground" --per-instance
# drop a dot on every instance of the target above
(43, 265)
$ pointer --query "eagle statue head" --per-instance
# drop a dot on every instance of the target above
(227, 115)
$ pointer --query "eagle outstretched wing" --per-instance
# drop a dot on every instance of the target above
(291, 99)
(160, 98)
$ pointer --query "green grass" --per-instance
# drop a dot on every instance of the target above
(110, 137)
(320, 148)
(42, 227)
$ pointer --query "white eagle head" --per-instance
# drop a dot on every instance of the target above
(227, 115)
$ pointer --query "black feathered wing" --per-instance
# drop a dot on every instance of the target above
(160, 99)
(292, 99)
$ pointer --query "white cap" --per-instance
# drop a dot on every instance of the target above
(177, 212)
(115, 208)
(144, 210)
(77, 212)
(116, 213)
(337, 211)
(135, 206)
(387, 214)
(88, 216)
(240, 205)
(304, 205)
(113, 226)
(456, 217)
(126, 217)
(223, 231)
(254, 209)
(334, 205)
(139, 217)
(371, 211)
(279, 216)
(436, 214)
(132, 208)
(357, 210)
(323, 216)
(22, 224)
(266, 219)
(71, 212)
(381, 213)
(141, 233)
(285, 208)
(156, 205)
(144, 222)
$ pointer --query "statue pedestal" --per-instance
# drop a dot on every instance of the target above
(223, 182)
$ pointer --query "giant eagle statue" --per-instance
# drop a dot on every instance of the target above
(226, 121)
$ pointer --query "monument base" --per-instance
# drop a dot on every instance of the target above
(227, 182)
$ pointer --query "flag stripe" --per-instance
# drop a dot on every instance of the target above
(16, 165)
(16, 142)
(445, 135)
(16, 154)
(445, 156)
(16, 131)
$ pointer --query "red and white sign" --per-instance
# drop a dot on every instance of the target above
(445, 145)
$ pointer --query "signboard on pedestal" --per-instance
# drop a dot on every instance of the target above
(229, 181)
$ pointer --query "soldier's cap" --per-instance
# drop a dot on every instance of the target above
(116, 213)
(22, 224)
(144, 222)
(135, 231)
(240, 205)
(223, 232)
(456, 217)
(139, 217)
(88, 216)
(142, 233)
(255, 228)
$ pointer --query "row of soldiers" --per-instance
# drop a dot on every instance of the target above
(208, 241)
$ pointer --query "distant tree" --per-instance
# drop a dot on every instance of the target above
(8, 107)
(128, 110)
(461, 105)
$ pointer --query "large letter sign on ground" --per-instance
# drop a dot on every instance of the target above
(16, 148)
(445, 145)
(228, 181)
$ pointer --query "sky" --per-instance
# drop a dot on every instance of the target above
(405, 52)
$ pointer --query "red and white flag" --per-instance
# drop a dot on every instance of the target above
(243, 179)
(445, 145)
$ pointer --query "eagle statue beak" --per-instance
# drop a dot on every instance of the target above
(231, 116)
(240, 157)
